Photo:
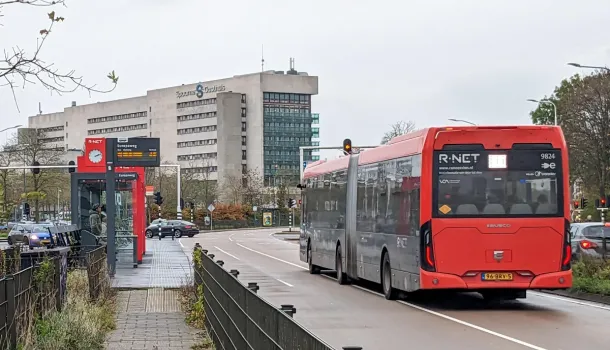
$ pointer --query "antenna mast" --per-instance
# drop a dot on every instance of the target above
(262, 58)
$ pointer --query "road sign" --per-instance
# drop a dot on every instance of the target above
(304, 164)
(254, 208)
(136, 151)
(211, 207)
(150, 190)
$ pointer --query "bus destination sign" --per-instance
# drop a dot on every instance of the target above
(137, 152)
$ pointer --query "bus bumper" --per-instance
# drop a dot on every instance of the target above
(437, 280)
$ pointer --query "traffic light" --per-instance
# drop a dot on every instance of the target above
(26, 209)
(602, 203)
(36, 170)
(192, 205)
(347, 146)
(158, 198)
(597, 203)
(583, 203)
(71, 169)
(576, 204)
(292, 203)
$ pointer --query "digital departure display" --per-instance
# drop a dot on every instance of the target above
(137, 152)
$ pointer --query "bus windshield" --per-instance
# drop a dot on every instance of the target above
(498, 183)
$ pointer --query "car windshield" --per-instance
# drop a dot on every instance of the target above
(511, 183)
(596, 232)
(38, 229)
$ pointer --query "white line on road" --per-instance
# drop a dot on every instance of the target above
(464, 323)
(574, 301)
(182, 245)
(271, 257)
(229, 254)
(286, 283)
(449, 318)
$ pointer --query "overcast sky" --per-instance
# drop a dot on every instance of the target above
(378, 61)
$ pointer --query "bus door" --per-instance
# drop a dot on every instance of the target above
(351, 241)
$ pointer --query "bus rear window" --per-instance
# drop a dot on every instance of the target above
(503, 183)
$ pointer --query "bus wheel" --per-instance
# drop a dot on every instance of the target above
(386, 278)
(313, 269)
(341, 276)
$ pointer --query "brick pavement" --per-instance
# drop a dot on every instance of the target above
(149, 314)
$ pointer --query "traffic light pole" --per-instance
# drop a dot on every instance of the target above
(302, 158)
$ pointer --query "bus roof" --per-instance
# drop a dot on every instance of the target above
(433, 138)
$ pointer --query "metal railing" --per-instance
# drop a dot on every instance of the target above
(237, 318)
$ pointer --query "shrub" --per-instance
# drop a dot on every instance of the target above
(591, 276)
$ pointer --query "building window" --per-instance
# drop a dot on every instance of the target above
(243, 154)
(201, 170)
(243, 126)
(197, 156)
(51, 129)
(196, 130)
(243, 112)
(207, 101)
(117, 129)
(243, 140)
(113, 118)
(196, 116)
(243, 98)
(197, 143)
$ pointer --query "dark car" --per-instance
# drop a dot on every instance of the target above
(177, 228)
(32, 235)
(587, 239)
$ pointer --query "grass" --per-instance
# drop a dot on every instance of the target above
(591, 276)
(82, 324)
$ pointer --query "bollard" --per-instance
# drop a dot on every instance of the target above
(212, 256)
(352, 348)
(253, 286)
(234, 272)
(220, 262)
(289, 309)
(205, 251)
(197, 245)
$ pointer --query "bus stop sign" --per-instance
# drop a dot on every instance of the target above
(135, 152)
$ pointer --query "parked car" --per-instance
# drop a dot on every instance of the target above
(587, 239)
(177, 228)
(32, 235)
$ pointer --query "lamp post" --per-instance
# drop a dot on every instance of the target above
(462, 121)
(547, 102)
(578, 65)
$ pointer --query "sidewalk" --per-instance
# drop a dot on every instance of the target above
(149, 315)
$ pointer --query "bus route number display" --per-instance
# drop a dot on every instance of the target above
(137, 151)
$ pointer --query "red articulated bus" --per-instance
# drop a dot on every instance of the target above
(482, 209)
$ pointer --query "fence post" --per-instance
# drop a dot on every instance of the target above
(211, 256)
(234, 272)
(57, 284)
(253, 286)
(10, 312)
(352, 348)
(220, 262)
(289, 309)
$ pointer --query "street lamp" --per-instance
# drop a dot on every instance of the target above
(462, 121)
(578, 65)
(548, 102)
(12, 127)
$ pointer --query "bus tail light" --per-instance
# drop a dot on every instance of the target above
(567, 247)
(587, 244)
(427, 249)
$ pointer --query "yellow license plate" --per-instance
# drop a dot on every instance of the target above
(495, 276)
(46, 241)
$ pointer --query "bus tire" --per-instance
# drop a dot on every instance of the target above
(341, 276)
(386, 278)
(313, 269)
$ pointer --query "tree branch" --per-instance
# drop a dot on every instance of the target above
(18, 68)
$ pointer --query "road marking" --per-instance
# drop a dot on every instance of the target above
(182, 245)
(229, 254)
(464, 323)
(574, 301)
(438, 314)
(272, 257)
(286, 283)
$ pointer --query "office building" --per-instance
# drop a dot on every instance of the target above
(216, 128)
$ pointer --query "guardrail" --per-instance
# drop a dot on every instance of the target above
(238, 318)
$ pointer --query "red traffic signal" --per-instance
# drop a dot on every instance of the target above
(603, 202)
(576, 204)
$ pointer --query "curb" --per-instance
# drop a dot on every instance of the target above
(595, 298)
(236, 229)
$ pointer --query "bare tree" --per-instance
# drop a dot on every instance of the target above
(252, 187)
(19, 68)
(233, 189)
(30, 147)
(6, 159)
(196, 185)
(397, 129)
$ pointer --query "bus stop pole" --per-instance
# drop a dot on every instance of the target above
(110, 207)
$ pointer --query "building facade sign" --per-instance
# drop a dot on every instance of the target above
(200, 90)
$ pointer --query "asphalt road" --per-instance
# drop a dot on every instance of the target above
(354, 315)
